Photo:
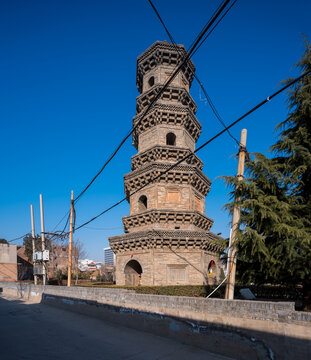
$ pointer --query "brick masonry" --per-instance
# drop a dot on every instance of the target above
(8, 262)
(8, 272)
(173, 205)
(169, 267)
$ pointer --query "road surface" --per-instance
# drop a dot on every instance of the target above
(37, 331)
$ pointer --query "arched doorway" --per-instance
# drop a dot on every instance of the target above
(132, 273)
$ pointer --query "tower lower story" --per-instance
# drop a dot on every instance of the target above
(157, 257)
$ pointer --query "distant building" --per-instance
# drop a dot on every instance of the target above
(82, 264)
(98, 265)
(91, 266)
(8, 262)
(109, 257)
(59, 259)
(15, 265)
(87, 265)
(24, 265)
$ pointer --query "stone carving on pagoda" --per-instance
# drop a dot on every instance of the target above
(167, 238)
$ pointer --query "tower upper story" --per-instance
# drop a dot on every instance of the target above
(174, 109)
(164, 134)
(155, 65)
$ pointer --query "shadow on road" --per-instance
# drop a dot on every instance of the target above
(38, 331)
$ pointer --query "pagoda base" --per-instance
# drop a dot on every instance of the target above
(180, 258)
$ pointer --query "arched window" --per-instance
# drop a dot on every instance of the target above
(171, 139)
(142, 203)
(151, 81)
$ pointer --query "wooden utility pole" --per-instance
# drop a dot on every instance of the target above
(70, 241)
(33, 241)
(232, 252)
(42, 240)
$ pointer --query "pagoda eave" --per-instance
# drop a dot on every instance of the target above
(167, 217)
(175, 239)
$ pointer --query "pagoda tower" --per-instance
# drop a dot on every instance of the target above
(167, 239)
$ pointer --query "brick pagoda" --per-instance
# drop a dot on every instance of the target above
(167, 239)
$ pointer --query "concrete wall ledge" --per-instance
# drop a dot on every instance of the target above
(261, 328)
(261, 310)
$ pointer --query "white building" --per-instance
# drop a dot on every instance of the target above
(98, 265)
(85, 264)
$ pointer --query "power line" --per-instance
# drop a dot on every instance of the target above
(213, 28)
(197, 79)
(59, 234)
(212, 106)
(187, 261)
(179, 67)
(66, 224)
(21, 237)
(209, 100)
(67, 213)
(53, 233)
(269, 98)
(215, 12)
(96, 228)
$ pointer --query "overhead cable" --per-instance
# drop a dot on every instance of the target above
(209, 100)
(269, 98)
(183, 62)
(21, 237)
(213, 28)
(60, 221)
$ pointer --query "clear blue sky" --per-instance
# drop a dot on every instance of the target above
(67, 97)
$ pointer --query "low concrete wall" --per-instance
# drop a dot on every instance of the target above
(242, 329)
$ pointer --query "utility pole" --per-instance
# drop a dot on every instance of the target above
(33, 242)
(232, 252)
(70, 241)
(42, 239)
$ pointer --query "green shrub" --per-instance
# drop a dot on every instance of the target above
(178, 290)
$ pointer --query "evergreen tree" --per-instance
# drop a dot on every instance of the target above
(27, 242)
(274, 241)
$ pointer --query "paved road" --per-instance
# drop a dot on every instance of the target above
(36, 331)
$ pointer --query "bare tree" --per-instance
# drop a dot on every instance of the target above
(107, 273)
(78, 254)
